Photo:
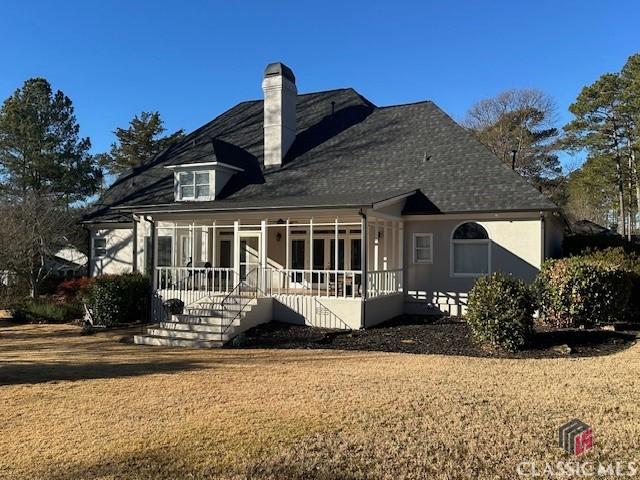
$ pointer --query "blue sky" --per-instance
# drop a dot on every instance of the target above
(193, 60)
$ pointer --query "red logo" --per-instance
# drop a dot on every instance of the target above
(575, 437)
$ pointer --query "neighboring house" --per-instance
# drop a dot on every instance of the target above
(324, 209)
(68, 262)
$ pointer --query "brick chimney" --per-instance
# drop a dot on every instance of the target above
(280, 96)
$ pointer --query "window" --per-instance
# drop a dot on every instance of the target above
(164, 251)
(470, 250)
(194, 185)
(422, 248)
(99, 247)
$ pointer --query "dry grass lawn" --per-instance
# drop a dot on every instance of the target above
(77, 407)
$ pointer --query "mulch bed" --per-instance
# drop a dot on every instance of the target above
(425, 335)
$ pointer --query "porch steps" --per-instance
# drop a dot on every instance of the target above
(201, 326)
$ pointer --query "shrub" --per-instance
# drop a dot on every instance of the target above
(629, 261)
(45, 311)
(578, 244)
(582, 291)
(500, 311)
(76, 289)
(116, 299)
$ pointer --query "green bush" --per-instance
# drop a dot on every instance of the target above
(629, 261)
(44, 311)
(500, 311)
(583, 291)
(116, 299)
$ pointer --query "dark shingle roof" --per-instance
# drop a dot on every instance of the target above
(356, 156)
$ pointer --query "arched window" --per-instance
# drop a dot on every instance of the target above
(470, 250)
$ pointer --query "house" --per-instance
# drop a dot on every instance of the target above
(318, 208)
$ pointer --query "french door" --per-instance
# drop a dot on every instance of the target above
(249, 257)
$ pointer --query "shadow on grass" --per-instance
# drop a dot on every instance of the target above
(37, 372)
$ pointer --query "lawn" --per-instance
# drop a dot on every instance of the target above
(97, 407)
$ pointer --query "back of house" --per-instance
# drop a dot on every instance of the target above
(324, 209)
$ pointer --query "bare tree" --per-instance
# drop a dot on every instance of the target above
(520, 121)
(32, 232)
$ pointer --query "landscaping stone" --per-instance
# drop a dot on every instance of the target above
(562, 349)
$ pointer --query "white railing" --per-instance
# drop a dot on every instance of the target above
(384, 282)
(319, 283)
(191, 284)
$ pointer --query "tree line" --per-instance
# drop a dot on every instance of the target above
(48, 176)
(521, 127)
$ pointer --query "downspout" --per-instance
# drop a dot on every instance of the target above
(365, 286)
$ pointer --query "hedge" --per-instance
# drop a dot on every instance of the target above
(583, 291)
(116, 299)
(45, 311)
(500, 311)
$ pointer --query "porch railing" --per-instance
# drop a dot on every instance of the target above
(319, 283)
(384, 282)
(191, 284)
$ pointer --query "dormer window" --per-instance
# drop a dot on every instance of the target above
(194, 185)
(203, 181)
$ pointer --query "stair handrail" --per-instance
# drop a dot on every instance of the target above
(230, 295)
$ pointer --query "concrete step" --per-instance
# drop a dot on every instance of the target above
(188, 335)
(206, 319)
(175, 342)
(195, 327)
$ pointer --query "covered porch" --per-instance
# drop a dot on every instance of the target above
(334, 255)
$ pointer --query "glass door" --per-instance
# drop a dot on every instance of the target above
(249, 257)
(318, 262)
(297, 259)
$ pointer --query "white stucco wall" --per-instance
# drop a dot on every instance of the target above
(516, 248)
(119, 254)
(318, 312)
(381, 309)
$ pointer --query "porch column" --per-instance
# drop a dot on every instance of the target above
(363, 257)
(236, 251)
(385, 239)
(335, 255)
(174, 245)
(393, 262)
(287, 246)
(287, 260)
(214, 245)
(310, 253)
(401, 253)
(263, 254)
(154, 254)
(376, 246)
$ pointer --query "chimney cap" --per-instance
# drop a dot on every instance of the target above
(279, 69)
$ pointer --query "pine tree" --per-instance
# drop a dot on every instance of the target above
(141, 141)
(599, 127)
(40, 148)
